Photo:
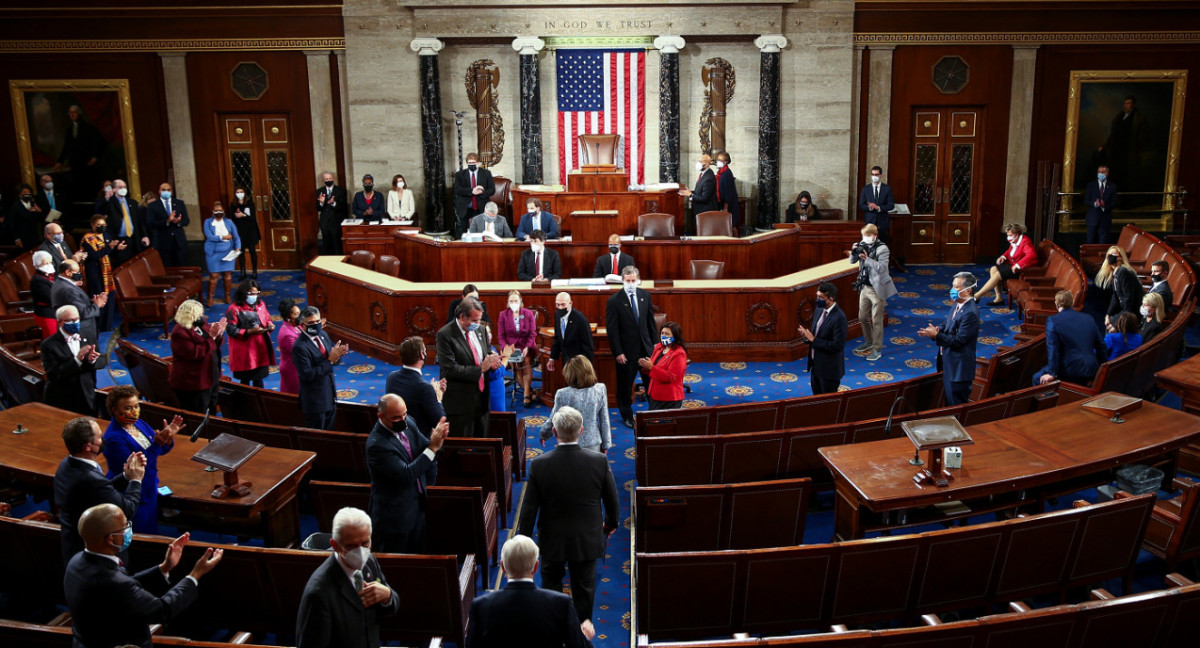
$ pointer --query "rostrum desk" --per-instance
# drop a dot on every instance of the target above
(588, 192)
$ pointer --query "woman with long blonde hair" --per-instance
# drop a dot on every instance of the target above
(1119, 277)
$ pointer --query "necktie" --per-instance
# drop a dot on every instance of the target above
(475, 357)
(537, 263)
(358, 580)
(614, 264)
(408, 448)
(320, 345)
(127, 223)
(633, 303)
(876, 194)
(820, 321)
(474, 198)
(564, 326)
(50, 199)
(718, 183)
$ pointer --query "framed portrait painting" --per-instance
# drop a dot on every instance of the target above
(79, 131)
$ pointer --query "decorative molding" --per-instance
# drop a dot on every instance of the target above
(171, 45)
(555, 42)
(762, 318)
(713, 113)
(669, 44)
(1017, 38)
(770, 43)
(421, 320)
(379, 318)
(482, 83)
(426, 46)
(528, 45)
(320, 298)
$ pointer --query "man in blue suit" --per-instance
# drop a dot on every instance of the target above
(876, 202)
(1100, 198)
(536, 219)
(826, 342)
(1074, 344)
(424, 400)
(166, 218)
(956, 339)
(314, 355)
(402, 463)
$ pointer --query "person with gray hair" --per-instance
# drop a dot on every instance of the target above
(490, 222)
(462, 355)
(347, 597)
(629, 315)
(195, 357)
(402, 463)
(40, 285)
(332, 208)
(314, 355)
(572, 496)
(70, 360)
(521, 614)
(956, 340)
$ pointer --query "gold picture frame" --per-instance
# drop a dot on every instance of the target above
(1164, 91)
(20, 90)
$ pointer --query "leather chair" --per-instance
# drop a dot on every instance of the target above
(388, 265)
(598, 148)
(656, 225)
(702, 269)
(714, 223)
(362, 259)
(503, 199)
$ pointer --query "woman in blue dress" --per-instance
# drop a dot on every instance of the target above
(127, 434)
(220, 238)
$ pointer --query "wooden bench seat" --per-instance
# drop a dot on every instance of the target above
(748, 515)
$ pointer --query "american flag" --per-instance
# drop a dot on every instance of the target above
(602, 91)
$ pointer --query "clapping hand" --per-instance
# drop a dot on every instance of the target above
(440, 431)
(174, 552)
(645, 364)
(135, 467)
(217, 329)
(166, 435)
(374, 592)
(929, 331)
(84, 352)
(805, 333)
(100, 300)
(338, 351)
(206, 562)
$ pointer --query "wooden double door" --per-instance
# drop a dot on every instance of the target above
(256, 155)
(946, 157)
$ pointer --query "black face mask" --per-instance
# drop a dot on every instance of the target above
(199, 323)
(398, 426)
(26, 199)
(78, 276)
(1113, 259)
(100, 227)
(368, 188)
(1156, 277)
(560, 313)
(613, 249)
(472, 166)
(803, 205)
(329, 183)
(313, 329)
(100, 450)
(822, 304)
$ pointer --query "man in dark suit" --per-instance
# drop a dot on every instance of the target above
(826, 342)
(539, 263)
(71, 360)
(473, 187)
(423, 399)
(402, 463)
(314, 355)
(564, 493)
(80, 484)
(876, 201)
(704, 192)
(1159, 271)
(727, 195)
(48, 198)
(612, 262)
(332, 209)
(536, 219)
(126, 223)
(629, 316)
(462, 354)
(1100, 198)
(956, 339)
(521, 614)
(1074, 344)
(65, 292)
(83, 147)
(55, 243)
(572, 333)
(108, 606)
(167, 217)
(347, 597)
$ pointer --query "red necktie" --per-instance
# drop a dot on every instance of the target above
(475, 356)
(474, 198)
(320, 345)
(614, 264)
(537, 263)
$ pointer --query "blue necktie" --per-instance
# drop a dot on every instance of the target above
(633, 303)
(564, 326)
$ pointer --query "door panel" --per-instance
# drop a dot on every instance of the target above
(258, 157)
(945, 191)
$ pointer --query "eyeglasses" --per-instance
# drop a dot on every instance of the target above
(128, 525)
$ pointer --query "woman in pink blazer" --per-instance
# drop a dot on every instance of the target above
(289, 380)
(518, 327)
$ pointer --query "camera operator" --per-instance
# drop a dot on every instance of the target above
(874, 286)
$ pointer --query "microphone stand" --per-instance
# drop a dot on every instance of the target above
(887, 430)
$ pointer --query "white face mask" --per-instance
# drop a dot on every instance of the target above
(868, 239)
(1012, 239)
(399, 184)
(699, 166)
(49, 186)
(514, 306)
(356, 558)
(876, 179)
(720, 164)
(631, 287)
(48, 268)
(1145, 311)
(239, 195)
(122, 192)
(536, 247)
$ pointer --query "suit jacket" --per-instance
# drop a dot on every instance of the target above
(378, 205)
(576, 341)
(63, 292)
(727, 196)
(1127, 293)
(396, 503)
(111, 608)
(333, 212)
(1074, 346)
(604, 265)
(479, 224)
(78, 486)
(1103, 214)
(459, 369)
(877, 271)
(704, 193)
(548, 225)
(551, 265)
(956, 342)
(463, 195)
(53, 250)
(70, 385)
(628, 334)
(886, 202)
(318, 393)
(331, 614)
(41, 200)
(523, 614)
(116, 218)
(565, 490)
(827, 351)
(39, 289)
(1164, 290)
(167, 236)
(418, 395)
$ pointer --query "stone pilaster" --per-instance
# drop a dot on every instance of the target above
(531, 109)
(433, 150)
(1020, 127)
(320, 92)
(879, 107)
(179, 121)
(768, 128)
(344, 86)
(668, 107)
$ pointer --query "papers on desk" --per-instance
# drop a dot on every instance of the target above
(540, 187)
(628, 237)
(613, 279)
(397, 222)
(577, 281)
(901, 209)
(479, 237)
(232, 256)
(352, 221)
(662, 186)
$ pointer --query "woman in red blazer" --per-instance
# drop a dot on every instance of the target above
(518, 326)
(195, 357)
(666, 366)
(1019, 255)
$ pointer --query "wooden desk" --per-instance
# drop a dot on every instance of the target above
(375, 238)
(628, 204)
(1020, 461)
(1183, 379)
(274, 473)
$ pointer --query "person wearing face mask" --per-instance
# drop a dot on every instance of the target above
(1152, 314)
(875, 287)
(727, 194)
(127, 434)
(802, 210)
(704, 192)
(876, 201)
(70, 361)
(126, 223)
(612, 262)
(1074, 344)
(167, 217)
(347, 597)
(1119, 278)
(114, 607)
(1100, 198)
(289, 331)
(195, 357)
(826, 342)
(25, 220)
(666, 368)
(490, 223)
(400, 202)
(246, 220)
(55, 242)
(80, 484)
(40, 286)
(50, 199)
(462, 355)
(539, 263)
(1159, 271)
(332, 209)
(251, 353)
(1019, 256)
(98, 249)
(572, 333)
(100, 206)
(423, 398)
(473, 187)
(314, 355)
(537, 218)
(66, 290)
(517, 327)
(369, 205)
(220, 238)
(629, 316)
(956, 340)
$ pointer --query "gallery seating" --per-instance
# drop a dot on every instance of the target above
(142, 299)
(1174, 531)
(185, 278)
(32, 635)
(1091, 255)
(388, 265)
(1009, 368)
(361, 258)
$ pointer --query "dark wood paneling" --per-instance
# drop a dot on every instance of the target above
(980, 16)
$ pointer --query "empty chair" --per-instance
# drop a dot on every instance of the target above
(714, 223)
(599, 148)
(704, 269)
(362, 259)
(656, 225)
(388, 265)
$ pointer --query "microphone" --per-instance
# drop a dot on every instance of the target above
(204, 424)
(887, 427)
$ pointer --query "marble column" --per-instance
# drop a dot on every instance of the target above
(851, 207)
(668, 107)
(769, 46)
(1020, 126)
(344, 93)
(179, 121)
(320, 106)
(431, 134)
(879, 108)
(531, 109)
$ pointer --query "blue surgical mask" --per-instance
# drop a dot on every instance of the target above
(252, 299)
(1101, 176)
(126, 539)
(71, 328)
(473, 326)
(166, 195)
(58, 238)
(954, 294)
(822, 304)
(666, 340)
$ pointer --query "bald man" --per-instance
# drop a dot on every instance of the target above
(572, 333)
(402, 464)
(612, 262)
(108, 606)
